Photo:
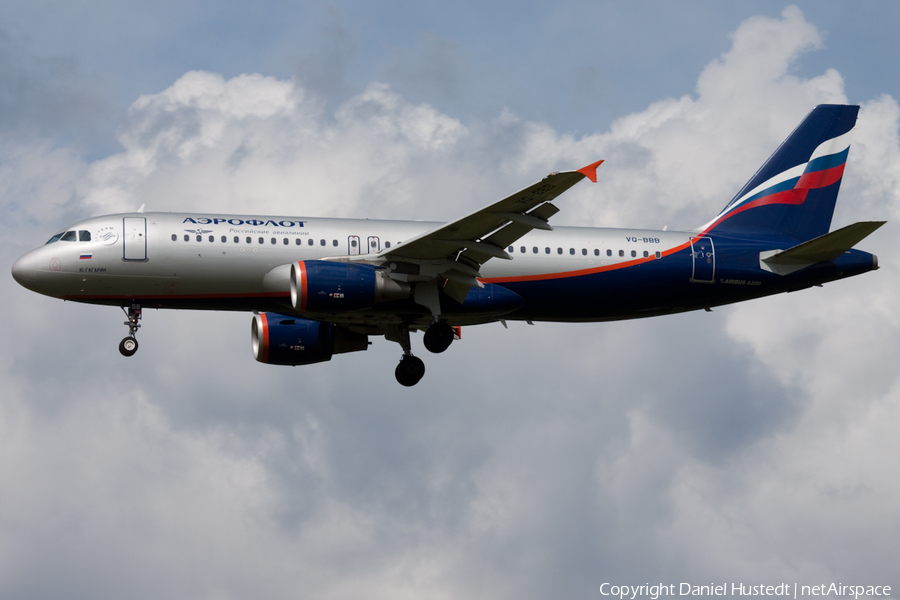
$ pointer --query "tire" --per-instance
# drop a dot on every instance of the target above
(410, 371)
(438, 337)
(128, 346)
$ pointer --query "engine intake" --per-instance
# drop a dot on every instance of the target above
(284, 340)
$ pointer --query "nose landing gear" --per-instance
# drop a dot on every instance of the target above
(129, 345)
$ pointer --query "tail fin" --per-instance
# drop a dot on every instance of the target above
(793, 194)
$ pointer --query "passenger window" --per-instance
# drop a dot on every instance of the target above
(248, 240)
(522, 249)
(646, 254)
(547, 250)
(84, 236)
(311, 241)
(298, 241)
(596, 252)
(572, 251)
(187, 238)
(237, 240)
(224, 239)
(511, 249)
(212, 238)
(633, 253)
(621, 253)
(387, 244)
(68, 236)
(609, 252)
(334, 243)
(286, 242)
(321, 242)
(584, 251)
(535, 250)
(273, 241)
(174, 237)
(658, 255)
(199, 238)
(261, 241)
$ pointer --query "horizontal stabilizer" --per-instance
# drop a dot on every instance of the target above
(821, 249)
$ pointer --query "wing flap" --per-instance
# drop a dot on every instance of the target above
(545, 211)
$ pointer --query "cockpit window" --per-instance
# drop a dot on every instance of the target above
(84, 236)
(68, 236)
(55, 238)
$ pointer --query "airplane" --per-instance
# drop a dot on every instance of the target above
(319, 287)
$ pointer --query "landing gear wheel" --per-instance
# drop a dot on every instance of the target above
(438, 337)
(409, 371)
(128, 346)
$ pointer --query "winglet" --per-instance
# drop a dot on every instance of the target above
(590, 171)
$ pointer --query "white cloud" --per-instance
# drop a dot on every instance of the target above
(755, 442)
(254, 144)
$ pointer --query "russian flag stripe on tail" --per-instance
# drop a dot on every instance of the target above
(793, 194)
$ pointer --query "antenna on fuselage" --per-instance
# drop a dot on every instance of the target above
(141, 209)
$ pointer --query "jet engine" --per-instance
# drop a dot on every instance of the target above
(285, 340)
(323, 286)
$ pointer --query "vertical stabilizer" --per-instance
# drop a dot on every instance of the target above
(793, 194)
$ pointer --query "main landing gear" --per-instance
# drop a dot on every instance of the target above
(411, 369)
(129, 345)
(438, 337)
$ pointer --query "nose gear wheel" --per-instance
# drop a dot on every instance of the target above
(129, 344)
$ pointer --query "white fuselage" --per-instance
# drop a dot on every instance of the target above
(191, 256)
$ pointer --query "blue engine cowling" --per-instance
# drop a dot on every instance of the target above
(286, 340)
(324, 286)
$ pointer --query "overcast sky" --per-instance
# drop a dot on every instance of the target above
(756, 444)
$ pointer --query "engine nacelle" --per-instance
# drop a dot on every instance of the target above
(324, 286)
(285, 340)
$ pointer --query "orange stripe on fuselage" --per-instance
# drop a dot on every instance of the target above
(580, 272)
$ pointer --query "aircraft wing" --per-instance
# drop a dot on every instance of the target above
(456, 250)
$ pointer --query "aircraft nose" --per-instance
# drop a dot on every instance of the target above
(23, 270)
